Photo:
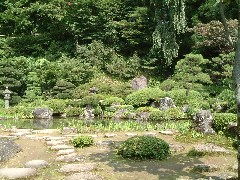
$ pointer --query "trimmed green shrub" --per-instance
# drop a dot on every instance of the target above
(194, 100)
(112, 100)
(169, 114)
(106, 86)
(144, 96)
(58, 106)
(82, 141)
(146, 109)
(226, 99)
(91, 100)
(221, 120)
(144, 147)
(73, 111)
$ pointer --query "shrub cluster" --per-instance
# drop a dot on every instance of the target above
(144, 96)
(82, 141)
(221, 120)
(144, 147)
(169, 114)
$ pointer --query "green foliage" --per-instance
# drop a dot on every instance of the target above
(146, 109)
(144, 96)
(194, 101)
(91, 100)
(169, 114)
(226, 99)
(221, 120)
(195, 153)
(112, 101)
(106, 85)
(189, 72)
(73, 111)
(144, 147)
(63, 89)
(82, 141)
(58, 106)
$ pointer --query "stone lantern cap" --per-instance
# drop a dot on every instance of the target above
(7, 91)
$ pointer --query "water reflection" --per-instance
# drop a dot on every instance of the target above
(43, 123)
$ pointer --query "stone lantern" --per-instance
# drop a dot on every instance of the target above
(7, 93)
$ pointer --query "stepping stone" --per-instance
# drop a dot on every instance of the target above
(54, 143)
(150, 134)
(16, 173)
(58, 138)
(109, 135)
(20, 134)
(47, 131)
(93, 135)
(36, 164)
(176, 147)
(74, 157)
(83, 167)
(167, 132)
(15, 130)
(131, 134)
(205, 168)
(210, 148)
(65, 152)
(8, 137)
(104, 143)
(84, 176)
(61, 146)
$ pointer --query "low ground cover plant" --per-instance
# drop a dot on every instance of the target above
(82, 141)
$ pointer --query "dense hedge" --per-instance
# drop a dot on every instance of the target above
(221, 120)
(144, 96)
(144, 147)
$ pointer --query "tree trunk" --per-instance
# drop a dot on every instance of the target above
(224, 22)
(236, 73)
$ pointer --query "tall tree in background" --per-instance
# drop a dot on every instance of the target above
(236, 66)
(170, 22)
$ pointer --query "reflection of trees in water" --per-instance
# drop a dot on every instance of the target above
(43, 123)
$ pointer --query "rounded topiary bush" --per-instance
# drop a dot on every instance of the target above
(144, 147)
(221, 120)
(144, 96)
(82, 141)
(112, 100)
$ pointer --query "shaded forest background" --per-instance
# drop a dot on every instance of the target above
(59, 49)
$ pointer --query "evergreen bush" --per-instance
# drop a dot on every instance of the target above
(144, 147)
(144, 96)
(91, 100)
(112, 101)
(221, 120)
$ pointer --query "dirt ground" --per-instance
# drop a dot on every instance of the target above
(113, 167)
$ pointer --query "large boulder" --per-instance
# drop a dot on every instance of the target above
(139, 83)
(202, 122)
(42, 113)
(8, 149)
(166, 103)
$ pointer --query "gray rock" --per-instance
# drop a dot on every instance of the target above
(109, 135)
(176, 148)
(65, 152)
(36, 164)
(42, 113)
(47, 131)
(202, 122)
(84, 176)
(210, 148)
(74, 157)
(58, 138)
(20, 134)
(104, 143)
(54, 143)
(139, 83)
(205, 168)
(83, 167)
(61, 146)
(142, 116)
(131, 134)
(8, 149)
(150, 134)
(167, 132)
(17, 173)
(43, 123)
(166, 103)
(232, 128)
(69, 130)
